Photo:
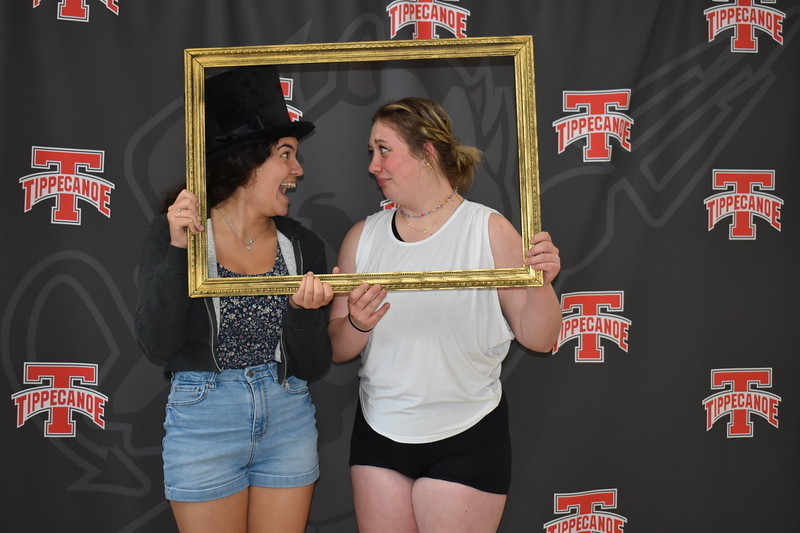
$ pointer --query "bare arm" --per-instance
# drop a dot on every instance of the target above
(533, 313)
(361, 309)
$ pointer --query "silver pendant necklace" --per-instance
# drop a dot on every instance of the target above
(248, 243)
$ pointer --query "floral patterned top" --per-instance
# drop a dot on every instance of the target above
(251, 326)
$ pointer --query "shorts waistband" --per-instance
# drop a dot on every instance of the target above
(246, 374)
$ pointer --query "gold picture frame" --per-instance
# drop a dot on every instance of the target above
(520, 48)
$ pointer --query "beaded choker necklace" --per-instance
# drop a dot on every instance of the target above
(432, 210)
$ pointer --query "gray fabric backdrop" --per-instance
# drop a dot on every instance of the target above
(670, 405)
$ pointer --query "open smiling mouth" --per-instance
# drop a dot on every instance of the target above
(286, 187)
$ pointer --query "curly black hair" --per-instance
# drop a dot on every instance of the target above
(226, 174)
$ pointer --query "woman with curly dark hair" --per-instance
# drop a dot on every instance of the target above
(240, 450)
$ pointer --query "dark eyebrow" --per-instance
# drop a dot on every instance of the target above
(286, 145)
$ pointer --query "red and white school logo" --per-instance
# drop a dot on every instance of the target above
(287, 84)
(67, 182)
(425, 16)
(745, 17)
(742, 199)
(78, 10)
(742, 395)
(587, 319)
(586, 513)
(597, 122)
(60, 396)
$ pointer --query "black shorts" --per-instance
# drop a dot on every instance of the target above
(479, 457)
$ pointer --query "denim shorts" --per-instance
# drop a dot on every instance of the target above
(239, 428)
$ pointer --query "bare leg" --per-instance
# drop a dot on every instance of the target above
(227, 514)
(279, 510)
(444, 507)
(382, 500)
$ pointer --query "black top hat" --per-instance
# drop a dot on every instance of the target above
(245, 105)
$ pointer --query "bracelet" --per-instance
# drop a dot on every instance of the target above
(349, 318)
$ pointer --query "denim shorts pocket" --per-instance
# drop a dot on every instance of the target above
(186, 394)
(295, 385)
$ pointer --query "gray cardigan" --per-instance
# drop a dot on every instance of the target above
(181, 332)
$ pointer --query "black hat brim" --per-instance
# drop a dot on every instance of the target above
(223, 146)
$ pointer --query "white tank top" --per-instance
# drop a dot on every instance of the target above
(432, 365)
